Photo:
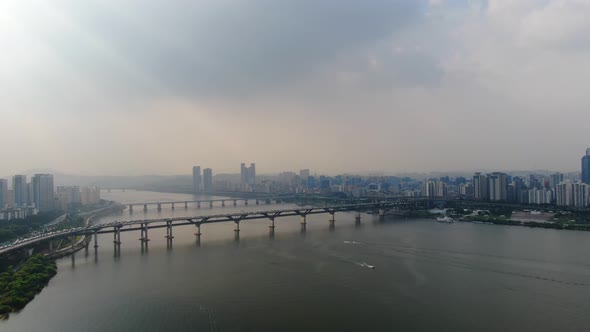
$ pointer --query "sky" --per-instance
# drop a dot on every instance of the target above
(111, 87)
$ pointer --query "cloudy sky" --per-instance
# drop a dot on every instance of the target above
(154, 87)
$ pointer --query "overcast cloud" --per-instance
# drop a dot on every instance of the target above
(136, 87)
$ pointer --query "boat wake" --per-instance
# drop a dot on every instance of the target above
(363, 264)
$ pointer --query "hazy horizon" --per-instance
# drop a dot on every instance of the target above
(152, 87)
(417, 175)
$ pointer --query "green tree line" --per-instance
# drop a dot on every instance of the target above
(20, 287)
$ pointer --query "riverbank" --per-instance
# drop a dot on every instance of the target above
(20, 287)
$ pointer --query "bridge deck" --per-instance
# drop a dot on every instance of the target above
(132, 225)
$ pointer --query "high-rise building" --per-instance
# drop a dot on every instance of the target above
(497, 185)
(480, 186)
(197, 179)
(565, 194)
(90, 195)
(586, 167)
(30, 194)
(434, 188)
(68, 196)
(555, 179)
(466, 189)
(304, 174)
(580, 194)
(43, 195)
(248, 176)
(19, 190)
(540, 196)
(3, 193)
(207, 180)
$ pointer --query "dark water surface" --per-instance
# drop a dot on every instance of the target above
(428, 276)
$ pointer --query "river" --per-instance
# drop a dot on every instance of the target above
(428, 276)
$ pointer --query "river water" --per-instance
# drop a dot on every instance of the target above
(428, 276)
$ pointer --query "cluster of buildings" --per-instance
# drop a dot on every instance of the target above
(536, 189)
(203, 183)
(23, 199)
(556, 189)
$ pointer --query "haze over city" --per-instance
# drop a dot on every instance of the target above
(153, 87)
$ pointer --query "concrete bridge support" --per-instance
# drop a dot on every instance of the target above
(169, 230)
(130, 208)
(172, 206)
(222, 203)
(198, 233)
(210, 204)
(145, 207)
(272, 223)
(186, 205)
(198, 204)
(332, 218)
(303, 223)
(381, 213)
(237, 228)
(144, 233)
(159, 207)
(357, 218)
(235, 202)
(246, 202)
(117, 235)
(95, 240)
(257, 202)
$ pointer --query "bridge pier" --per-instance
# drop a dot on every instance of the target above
(95, 240)
(210, 204)
(246, 202)
(235, 202)
(332, 218)
(159, 207)
(144, 233)
(130, 208)
(303, 220)
(186, 205)
(198, 204)
(237, 228)
(117, 235)
(357, 218)
(381, 213)
(222, 203)
(272, 223)
(257, 202)
(172, 206)
(303, 223)
(169, 230)
(145, 207)
(198, 233)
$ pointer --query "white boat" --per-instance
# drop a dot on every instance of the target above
(445, 219)
(363, 264)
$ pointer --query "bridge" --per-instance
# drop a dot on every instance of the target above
(144, 225)
(209, 202)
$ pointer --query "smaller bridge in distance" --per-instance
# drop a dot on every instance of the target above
(210, 202)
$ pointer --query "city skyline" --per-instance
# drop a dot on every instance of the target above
(421, 86)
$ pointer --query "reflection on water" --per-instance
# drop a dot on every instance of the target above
(316, 277)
